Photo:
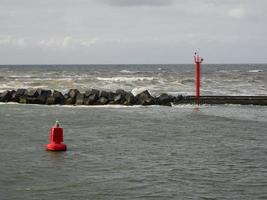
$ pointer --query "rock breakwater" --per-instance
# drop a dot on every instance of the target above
(119, 97)
(89, 97)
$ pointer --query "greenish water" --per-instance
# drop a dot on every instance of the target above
(214, 152)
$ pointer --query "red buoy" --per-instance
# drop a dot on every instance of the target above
(56, 139)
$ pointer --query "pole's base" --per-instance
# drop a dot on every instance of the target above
(56, 147)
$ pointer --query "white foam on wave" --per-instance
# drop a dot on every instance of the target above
(255, 71)
(20, 76)
(192, 106)
(125, 79)
(127, 71)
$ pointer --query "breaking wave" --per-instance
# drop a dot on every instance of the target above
(125, 79)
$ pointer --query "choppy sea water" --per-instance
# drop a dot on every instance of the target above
(180, 152)
(243, 79)
(116, 152)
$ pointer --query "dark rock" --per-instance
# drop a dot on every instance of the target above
(13, 96)
(179, 99)
(87, 93)
(91, 92)
(56, 98)
(145, 98)
(80, 99)
(111, 96)
(21, 92)
(108, 95)
(102, 101)
(96, 92)
(59, 98)
(51, 100)
(66, 96)
(70, 101)
(91, 100)
(43, 95)
(165, 99)
(129, 99)
(32, 100)
(32, 93)
(120, 91)
(73, 93)
(118, 99)
(23, 99)
(16, 95)
(104, 94)
(5, 96)
(123, 97)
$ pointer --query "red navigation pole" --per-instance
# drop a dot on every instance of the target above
(198, 61)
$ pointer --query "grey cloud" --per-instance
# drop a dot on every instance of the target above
(138, 2)
(129, 31)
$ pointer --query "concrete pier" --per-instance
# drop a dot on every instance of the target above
(214, 100)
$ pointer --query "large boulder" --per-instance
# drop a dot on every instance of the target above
(70, 97)
(18, 94)
(92, 92)
(80, 99)
(125, 98)
(73, 93)
(33, 100)
(13, 96)
(111, 96)
(106, 97)
(56, 98)
(179, 99)
(102, 101)
(70, 101)
(51, 100)
(43, 95)
(145, 98)
(59, 98)
(129, 99)
(165, 99)
(32, 93)
(91, 97)
(5, 96)
(119, 97)
(91, 100)
(104, 94)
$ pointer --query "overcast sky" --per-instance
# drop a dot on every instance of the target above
(132, 31)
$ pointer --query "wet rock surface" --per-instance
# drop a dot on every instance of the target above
(119, 97)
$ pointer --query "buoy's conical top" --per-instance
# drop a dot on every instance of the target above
(57, 124)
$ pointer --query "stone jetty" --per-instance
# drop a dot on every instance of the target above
(119, 97)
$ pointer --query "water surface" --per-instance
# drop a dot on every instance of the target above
(181, 152)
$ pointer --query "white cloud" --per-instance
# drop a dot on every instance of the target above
(53, 42)
(14, 41)
(237, 13)
(66, 42)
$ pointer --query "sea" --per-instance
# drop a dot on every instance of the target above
(207, 152)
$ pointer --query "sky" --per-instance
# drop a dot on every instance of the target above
(132, 31)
